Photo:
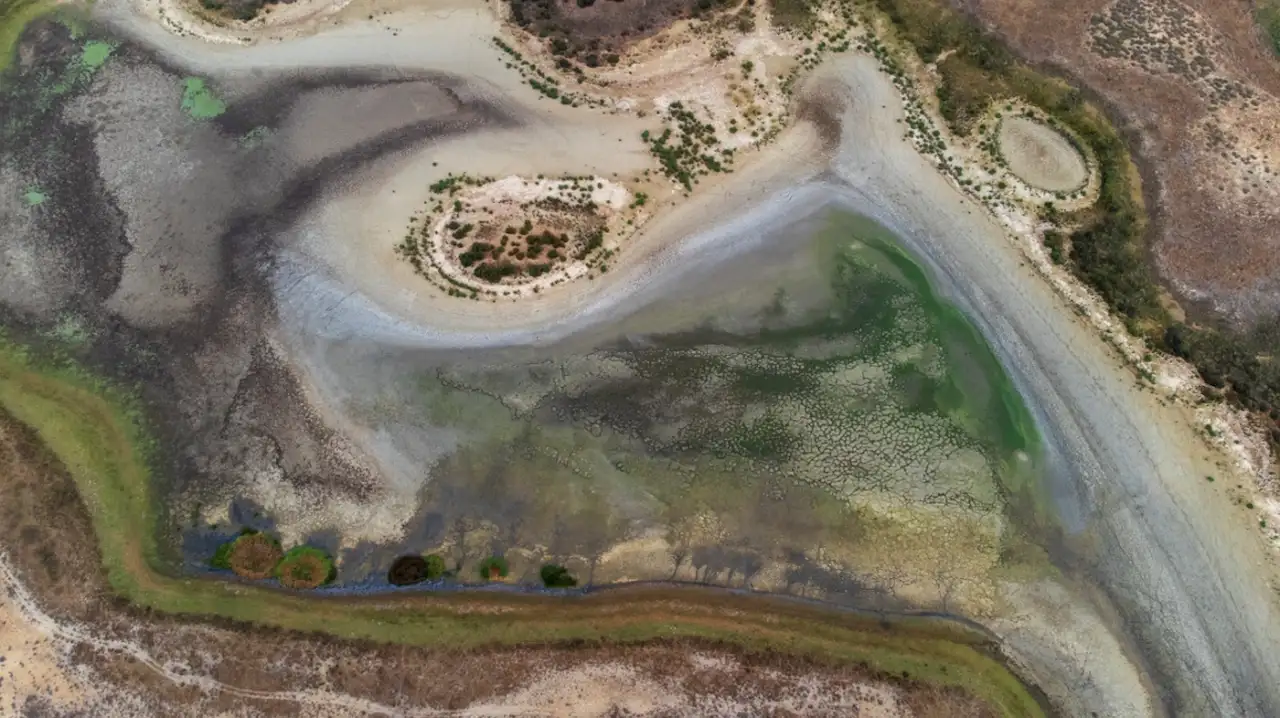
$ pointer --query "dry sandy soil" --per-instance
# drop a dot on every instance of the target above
(1200, 92)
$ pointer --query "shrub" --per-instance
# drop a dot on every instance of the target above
(254, 555)
(305, 567)
(493, 568)
(407, 570)
(1055, 242)
(557, 576)
(222, 556)
(435, 566)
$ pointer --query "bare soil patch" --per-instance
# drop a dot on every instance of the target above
(1040, 156)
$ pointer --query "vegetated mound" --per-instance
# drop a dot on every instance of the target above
(1040, 156)
(589, 30)
(254, 555)
(305, 567)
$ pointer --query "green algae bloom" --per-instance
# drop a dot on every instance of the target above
(34, 197)
(95, 54)
(199, 101)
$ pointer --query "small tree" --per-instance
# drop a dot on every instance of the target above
(557, 576)
(493, 568)
(435, 566)
(305, 567)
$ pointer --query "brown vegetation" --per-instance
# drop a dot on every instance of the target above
(254, 556)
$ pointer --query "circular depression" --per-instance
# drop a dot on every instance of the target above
(1041, 156)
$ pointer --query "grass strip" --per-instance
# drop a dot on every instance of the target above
(94, 431)
(15, 15)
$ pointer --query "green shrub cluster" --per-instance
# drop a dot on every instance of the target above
(493, 568)
(690, 150)
(305, 567)
(299, 567)
(557, 576)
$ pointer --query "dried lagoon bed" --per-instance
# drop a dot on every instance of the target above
(1094, 422)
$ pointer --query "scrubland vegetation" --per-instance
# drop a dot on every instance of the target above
(1104, 245)
(1268, 13)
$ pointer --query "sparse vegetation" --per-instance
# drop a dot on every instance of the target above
(690, 150)
(793, 15)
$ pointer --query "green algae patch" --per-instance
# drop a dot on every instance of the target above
(199, 101)
(95, 54)
(34, 197)
(975, 392)
(856, 430)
